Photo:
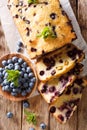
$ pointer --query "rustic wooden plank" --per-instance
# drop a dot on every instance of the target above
(40, 107)
(72, 123)
(74, 6)
(3, 48)
(82, 17)
(82, 109)
(6, 105)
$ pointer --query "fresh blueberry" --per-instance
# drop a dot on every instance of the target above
(19, 49)
(2, 84)
(22, 73)
(17, 67)
(1, 75)
(1, 80)
(5, 82)
(9, 61)
(43, 126)
(3, 88)
(1, 69)
(14, 90)
(19, 90)
(13, 93)
(26, 85)
(16, 64)
(6, 67)
(25, 75)
(23, 80)
(15, 59)
(12, 85)
(9, 115)
(24, 93)
(20, 60)
(24, 65)
(23, 69)
(28, 70)
(33, 80)
(4, 71)
(20, 44)
(5, 76)
(20, 83)
(10, 66)
(20, 79)
(31, 85)
(4, 62)
(31, 128)
(28, 90)
(31, 75)
(7, 88)
(26, 104)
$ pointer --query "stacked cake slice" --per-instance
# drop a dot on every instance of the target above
(53, 88)
(66, 104)
(58, 62)
(60, 85)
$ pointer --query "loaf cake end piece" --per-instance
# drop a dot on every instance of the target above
(43, 25)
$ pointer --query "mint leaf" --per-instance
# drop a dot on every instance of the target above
(47, 32)
(13, 76)
(32, 1)
(30, 117)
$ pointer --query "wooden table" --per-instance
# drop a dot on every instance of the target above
(37, 104)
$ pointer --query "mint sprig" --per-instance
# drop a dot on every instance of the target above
(32, 1)
(30, 117)
(47, 32)
(13, 76)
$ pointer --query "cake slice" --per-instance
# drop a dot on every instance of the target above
(43, 25)
(59, 62)
(63, 108)
(52, 89)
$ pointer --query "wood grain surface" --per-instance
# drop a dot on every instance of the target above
(82, 109)
(37, 104)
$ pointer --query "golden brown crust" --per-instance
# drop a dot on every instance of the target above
(39, 18)
(58, 67)
(8, 95)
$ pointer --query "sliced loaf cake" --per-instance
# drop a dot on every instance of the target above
(63, 108)
(58, 62)
(52, 89)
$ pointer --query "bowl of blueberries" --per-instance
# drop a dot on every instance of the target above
(18, 78)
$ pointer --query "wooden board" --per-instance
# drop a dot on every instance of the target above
(82, 109)
(6, 105)
(40, 107)
(37, 104)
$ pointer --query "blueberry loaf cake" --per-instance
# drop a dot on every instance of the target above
(43, 25)
(52, 89)
(58, 62)
(63, 108)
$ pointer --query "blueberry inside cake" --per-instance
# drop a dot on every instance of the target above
(58, 62)
(63, 108)
(53, 88)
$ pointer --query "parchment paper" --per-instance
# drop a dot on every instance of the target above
(12, 35)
